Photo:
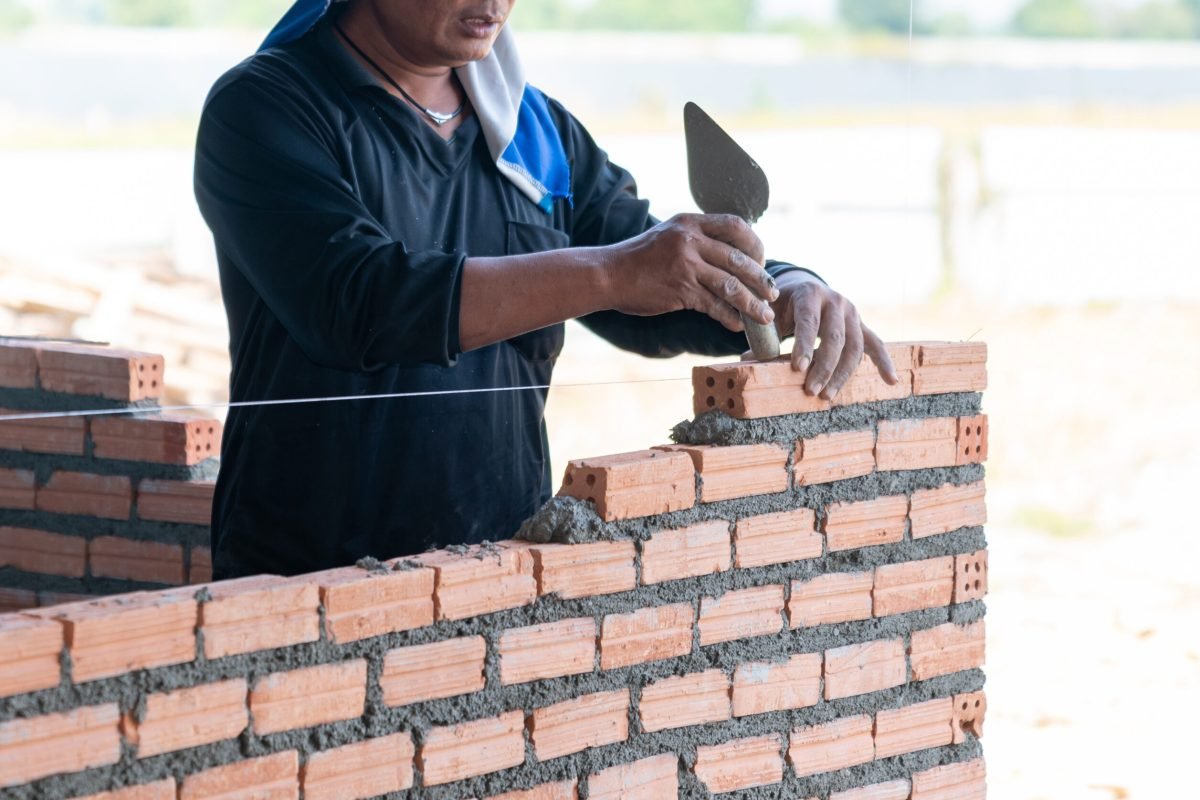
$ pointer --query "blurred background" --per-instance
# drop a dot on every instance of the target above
(1023, 172)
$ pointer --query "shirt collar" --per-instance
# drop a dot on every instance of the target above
(346, 68)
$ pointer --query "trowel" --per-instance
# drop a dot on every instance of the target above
(725, 180)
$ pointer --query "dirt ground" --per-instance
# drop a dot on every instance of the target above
(1094, 612)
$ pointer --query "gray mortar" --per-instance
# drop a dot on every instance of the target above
(716, 427)
(39, 401)
(11, 578)
(567, 520)
(43, 464)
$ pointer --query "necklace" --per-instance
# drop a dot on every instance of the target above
(436, 117)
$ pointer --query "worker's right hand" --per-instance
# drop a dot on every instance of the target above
(712, 263)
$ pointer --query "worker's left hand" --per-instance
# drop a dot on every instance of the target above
(809, 309)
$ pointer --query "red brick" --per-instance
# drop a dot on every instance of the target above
(107, 496)
(740, 471)
(832, 746)
(969, 712)
(259, 613)
(913, 586)
(18, 363)
(156, 438)
(761, 687)
(916, 444)
(114, 635)
(61, 436)
(107, 372)
(686, 553)
(947, 508)
(741, 614)
(17, 488)
(43, 552)
(829, 598)
(563, 790)
(16, 599)
(56, 743)
(30, 650)
(777, 539)
(849, 526)
(159, 790)
(892, 790)
(972, 441)
(432, 671)
(834, 457)
(946, 649)
(686, 700)
(966, 780)
(747, 390)
(184, 502)
(201, 568)
(302, 698)
(970, 576)
(740, 764)
(129, 559)
(360, 603)
(191, 717)
(866, 385)
(274, 777)
(575, 725)
(861, 668)
(482, 580)
(62, 598)
(551, 650)
(944, 367)
(363, 769)
(585, 570)
(648, 634)
(632, 484)
(652, 778)
(457, 752)
(916, 727)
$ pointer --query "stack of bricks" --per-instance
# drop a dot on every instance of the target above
(778, 606)
(104, 503)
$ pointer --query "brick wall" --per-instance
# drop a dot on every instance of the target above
(787, 602)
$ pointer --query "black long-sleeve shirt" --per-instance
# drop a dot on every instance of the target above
(342, 222)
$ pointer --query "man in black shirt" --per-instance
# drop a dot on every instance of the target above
(375, 236)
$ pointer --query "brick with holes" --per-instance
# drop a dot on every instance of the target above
(107, 372)
(969, 712)
(156, 438)
(970, 576)
(972, 440)
(632, 484)
(751, 390)
(776, 539)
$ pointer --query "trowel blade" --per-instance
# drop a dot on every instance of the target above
(724, 178)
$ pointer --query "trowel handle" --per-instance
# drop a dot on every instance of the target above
(764, 339)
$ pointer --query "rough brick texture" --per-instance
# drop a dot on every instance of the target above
(686, 553)
(741, 614)
(360, 604)
(62, 436)
(945, 649)
(943, 367)
(685, 700)
(43, 552)
(834, 745)
(77, 493)
(156, 438)
(915, 727)
(865, 524)
(274, 777)
(761, 687)
(29, 654)
(186, 502)
(551, 650)
(258, 613)
(149, 562)
(647, 779)
(66, 742)
(363, 769)
(916, 444)
(963, 781)
(487, 580)
(969, 712)
(970, 576)
(472, 748)
(946, 509)
(574, 725)
(776, 539)
(585, 570)
(740, 764)
(825, 599)
(306, 697)
(892, 790)
(158, 790)
(17, 488)
(190, 717)
(834, 457)
(745, 471)
(650, 634)
(861, 668)
(913, 585)
(122, 375)
(633, 484)
(431, 671)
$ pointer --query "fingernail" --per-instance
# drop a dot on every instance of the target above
(768, 313)
(816, 389)
(832, 395)
(805, 363)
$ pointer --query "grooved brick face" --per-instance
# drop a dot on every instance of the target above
(648, 634)
(685, 700)
(577, 724)
(861, 668)
(761, 687)
(746, 390)
(43, 552)
(274, 777)
(970, 576)
(946, 649)
(431, 671)
(360, 604)
(740, 764)
(18, 364)
(551, 650)
(916, 444)
(776, 539)
(835, 745)
(947, 508)
(17, 599)
(686, 553)
(584, 570)
(849, 526)
(741, 614)
(966, 780)
(190, 718)
(737, 471)
(829, 598)
(563, 790)
(17, 487)
(284, 701)
(201, 567)
(364, 769)
(462, 751)
(969, 712)
(633, 484)
(259, 613)
(151, 562)
(834, 457)
(916, 727)
(67, 742)
(108, 372)
(64, 436)
(482, 580)
(913, 585)
(943, 367)
(77, 493)
(184, 502)
(866, 385)
(159, 790)
(29, 654)
(892, 790)
(972, 440)
(156, 438)
(648, 779)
